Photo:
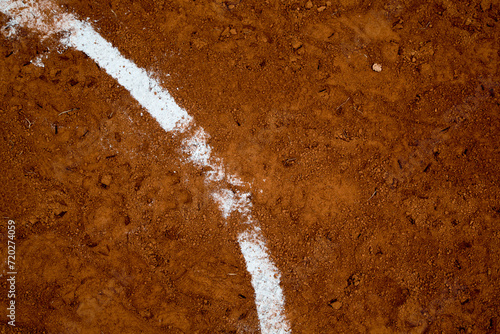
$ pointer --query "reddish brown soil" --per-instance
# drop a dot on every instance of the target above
(380, 202)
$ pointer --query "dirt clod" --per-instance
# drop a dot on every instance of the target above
(106, 180)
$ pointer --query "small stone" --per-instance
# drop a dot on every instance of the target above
(106, 180)
(377, 67)
(296, 44)
(309, 4)
(226, 32)
(59, 210)
(233, 31)
(322, 8)
(336, 305)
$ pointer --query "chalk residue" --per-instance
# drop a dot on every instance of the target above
(265, 279)
(233, 201)
(47, 19)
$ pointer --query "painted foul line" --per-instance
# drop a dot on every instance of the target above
(47, 19)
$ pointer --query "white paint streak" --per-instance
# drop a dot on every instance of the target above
(141, 86)
(45, 17)
(265, 277)
(80, 35)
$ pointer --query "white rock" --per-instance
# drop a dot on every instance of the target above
(377, 67)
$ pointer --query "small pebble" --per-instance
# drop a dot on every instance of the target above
(336, 305)
(106, 180)
(296, 44)
(309, 4)
(377, 67)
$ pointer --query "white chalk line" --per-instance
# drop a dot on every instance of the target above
(46, 18)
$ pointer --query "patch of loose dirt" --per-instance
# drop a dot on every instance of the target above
(380, 196)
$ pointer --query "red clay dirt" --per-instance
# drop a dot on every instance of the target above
(380, 196)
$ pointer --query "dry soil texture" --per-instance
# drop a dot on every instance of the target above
(378, 192)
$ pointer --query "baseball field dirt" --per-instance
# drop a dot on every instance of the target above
(367, 132)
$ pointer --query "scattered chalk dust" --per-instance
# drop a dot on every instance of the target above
(380, 212)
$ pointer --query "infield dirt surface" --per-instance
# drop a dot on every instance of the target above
(378, 192)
